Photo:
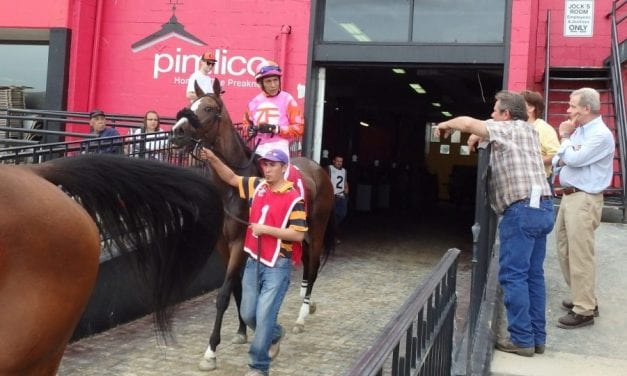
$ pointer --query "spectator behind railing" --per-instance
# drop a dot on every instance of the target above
(149, 142)
(97, 121)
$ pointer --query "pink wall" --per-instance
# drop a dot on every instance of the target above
(241, 33)
(106, 73)
(522, 43)
(571, 51)
(528, 45)
(34, 13)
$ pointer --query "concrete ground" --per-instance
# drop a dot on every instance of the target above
(592, 350)
(379, 262)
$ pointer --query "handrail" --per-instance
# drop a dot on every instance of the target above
(618, 94)
(83, 115)
(547, 64)
(427, 311)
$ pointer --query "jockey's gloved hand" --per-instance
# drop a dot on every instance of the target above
(267, 128)
(252, 130)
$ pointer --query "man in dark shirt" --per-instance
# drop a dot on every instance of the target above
(97, 121)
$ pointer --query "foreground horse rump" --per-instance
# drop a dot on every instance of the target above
(50, 244)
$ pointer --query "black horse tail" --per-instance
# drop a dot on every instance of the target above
(170, 217)
(329, 238)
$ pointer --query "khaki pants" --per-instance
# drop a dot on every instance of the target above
(579, 215)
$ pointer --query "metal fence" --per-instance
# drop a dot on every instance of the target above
(475, 351)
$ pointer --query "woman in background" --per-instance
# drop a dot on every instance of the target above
(146, 146)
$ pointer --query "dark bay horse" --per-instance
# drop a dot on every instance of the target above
(207, 121)
(53, 215)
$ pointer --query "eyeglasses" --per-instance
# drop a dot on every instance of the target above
(270, 68)
(210, 62)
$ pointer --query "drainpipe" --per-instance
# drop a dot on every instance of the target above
(95, 57)
(286, 30)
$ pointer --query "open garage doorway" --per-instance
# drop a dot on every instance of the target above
(379, 119)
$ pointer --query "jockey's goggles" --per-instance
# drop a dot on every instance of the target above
(269, 68)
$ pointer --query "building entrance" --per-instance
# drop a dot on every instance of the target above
(379, 119)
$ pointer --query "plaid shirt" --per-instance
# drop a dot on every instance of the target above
(516, 163)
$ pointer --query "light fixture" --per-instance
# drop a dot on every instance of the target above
(364, 124)
(418, 89)
(355, 31)
(436, 104)
(398, 70)
(446, 113)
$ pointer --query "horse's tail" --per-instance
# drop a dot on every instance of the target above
(329, 239)
(169, 216)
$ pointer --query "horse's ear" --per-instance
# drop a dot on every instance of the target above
(217, 87)
(198, 90)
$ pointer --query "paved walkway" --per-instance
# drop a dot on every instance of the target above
(361, 288)
(593, 350)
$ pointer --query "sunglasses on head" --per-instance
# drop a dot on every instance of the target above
(269, 68)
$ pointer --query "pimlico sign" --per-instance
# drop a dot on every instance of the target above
(177, 65)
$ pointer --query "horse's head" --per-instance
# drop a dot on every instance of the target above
(200, 122)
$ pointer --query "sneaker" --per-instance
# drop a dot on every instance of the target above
(568, 305)
(539, 349)
(573, 320)
(275, 347)
(509, 347)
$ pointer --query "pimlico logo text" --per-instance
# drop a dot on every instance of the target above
(180, 63)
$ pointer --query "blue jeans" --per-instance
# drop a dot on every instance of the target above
(522, 234)
(340, 209)
(261, 301)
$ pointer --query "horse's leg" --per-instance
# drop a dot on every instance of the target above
(241, 336)
(311, 264)
(232, 283)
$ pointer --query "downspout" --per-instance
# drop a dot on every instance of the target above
(286, 30)
(95, 57)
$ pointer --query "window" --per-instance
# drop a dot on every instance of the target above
(366, 20)
(458, 21)
(25, 65)
(434, 21)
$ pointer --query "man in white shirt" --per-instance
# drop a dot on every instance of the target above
(584, 165)
(340, 188)
(201, 76)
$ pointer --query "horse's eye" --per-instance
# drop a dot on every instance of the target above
(208, 109)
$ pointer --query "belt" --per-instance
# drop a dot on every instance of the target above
(570, 190)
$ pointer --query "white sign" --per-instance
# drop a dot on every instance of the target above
(578, 18)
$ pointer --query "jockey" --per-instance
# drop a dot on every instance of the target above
(274, 117)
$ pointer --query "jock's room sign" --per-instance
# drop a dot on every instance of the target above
(578, 18)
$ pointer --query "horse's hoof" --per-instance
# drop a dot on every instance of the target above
(312, 308)
(239, 339)
(299, 328)
(207, 364)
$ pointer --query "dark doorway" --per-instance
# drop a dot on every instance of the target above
(382, 127)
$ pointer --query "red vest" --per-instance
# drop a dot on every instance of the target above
(272, 209)
(294, 175)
